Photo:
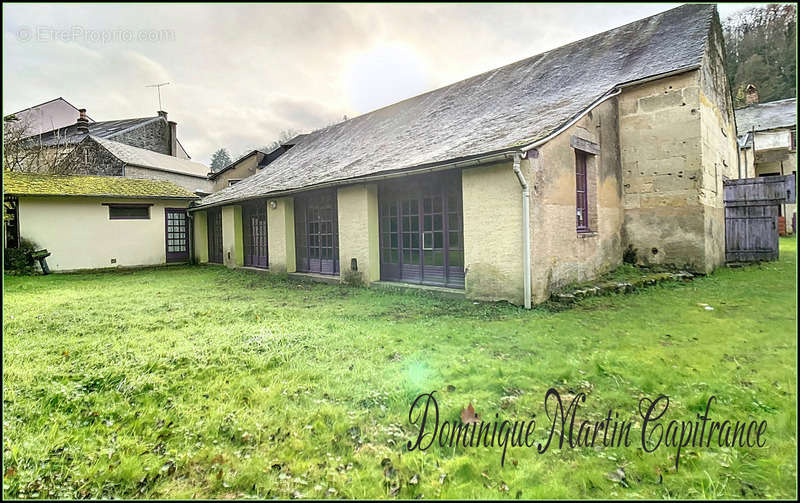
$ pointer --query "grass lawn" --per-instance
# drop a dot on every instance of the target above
(210, 383)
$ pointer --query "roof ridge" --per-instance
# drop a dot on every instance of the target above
(540, 55)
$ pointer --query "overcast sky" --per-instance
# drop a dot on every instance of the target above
(240, 74)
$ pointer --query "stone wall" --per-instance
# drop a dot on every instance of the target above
(89, 158)
(152, 136)
(662, 171)
(358, 233)
(719, 150)
(492, 205)
(280, 239)
(559, 253)
(232, 239)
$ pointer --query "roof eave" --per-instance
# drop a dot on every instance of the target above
(464, 162)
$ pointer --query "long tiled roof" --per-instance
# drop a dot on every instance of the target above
(492, 112)
(29, 184)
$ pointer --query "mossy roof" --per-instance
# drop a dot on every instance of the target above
(29, 184)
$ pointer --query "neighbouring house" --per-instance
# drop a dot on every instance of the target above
(768, 145)
(99, 156)
(47, 116)
(245, 166)
(90, 222)
(509, 184)
(72, 148)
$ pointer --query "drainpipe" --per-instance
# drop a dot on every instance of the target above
(526, 231)
(190, 229)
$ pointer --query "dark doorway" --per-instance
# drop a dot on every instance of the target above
(214, 221)
(177, 234)
(254, 223)
(421, 230)
(317, 232)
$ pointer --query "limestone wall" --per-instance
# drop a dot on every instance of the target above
(492, 205)
(561, 254)
(358, 233)
(280, 235)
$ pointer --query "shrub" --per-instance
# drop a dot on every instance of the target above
(19, 260)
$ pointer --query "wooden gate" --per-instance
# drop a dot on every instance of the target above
(751, 216)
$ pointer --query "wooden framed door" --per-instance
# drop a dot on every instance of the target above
(254, 227)
(214, 223)
(317, 232)
(176, 225)
(421, 230)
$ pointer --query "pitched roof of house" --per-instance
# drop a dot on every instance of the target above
(103, 129)
(55, 113)
(267, 159)
(233, 164)
(69, 135)
(148, 159)
(29, 184)
(492, 112)
(765, 116)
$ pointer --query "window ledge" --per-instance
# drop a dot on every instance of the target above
(587, 234)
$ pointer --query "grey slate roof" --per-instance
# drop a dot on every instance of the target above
(491, 112)
(105, 129)
(148, 159)
(764, 116)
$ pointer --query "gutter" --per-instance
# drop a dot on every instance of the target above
(486, 159)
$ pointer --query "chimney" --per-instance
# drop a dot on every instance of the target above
(82, 124)
(173, 137)
(751, 95)
(162, 113)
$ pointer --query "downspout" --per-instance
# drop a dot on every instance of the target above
(191, 237)
(526, 231)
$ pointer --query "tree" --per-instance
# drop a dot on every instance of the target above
(24, 151)
(760, 50)
(284, 136)
(220, 159)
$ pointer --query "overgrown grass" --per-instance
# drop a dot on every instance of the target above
(209, 383)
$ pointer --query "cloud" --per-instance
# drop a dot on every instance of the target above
(241, 73)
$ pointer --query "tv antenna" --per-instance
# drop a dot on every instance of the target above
(158, 88)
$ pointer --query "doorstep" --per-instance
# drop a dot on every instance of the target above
(453, 293)
(318, 278)
(252, 268)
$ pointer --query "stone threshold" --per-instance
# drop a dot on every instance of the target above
(608, 287)
(252, 268)
(439, 290)
(314, 277)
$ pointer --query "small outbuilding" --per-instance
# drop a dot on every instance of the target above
(90, 222)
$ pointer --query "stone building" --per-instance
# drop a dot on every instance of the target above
(86, 147)
(768, 144)
(509, 184)
(247, 165)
